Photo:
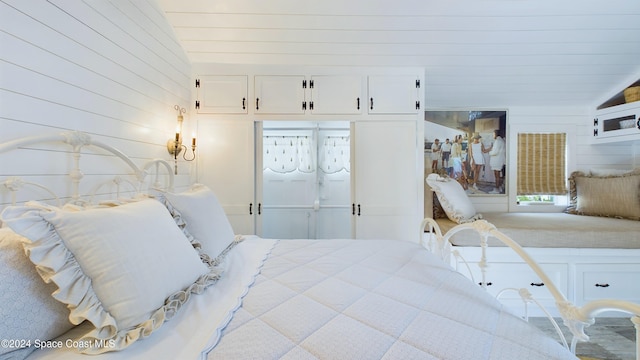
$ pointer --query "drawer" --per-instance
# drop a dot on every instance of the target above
(517, 275)
(611, 281)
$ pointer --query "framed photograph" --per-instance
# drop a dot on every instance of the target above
(470, 146)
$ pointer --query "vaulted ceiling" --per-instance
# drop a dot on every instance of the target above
(476, 53)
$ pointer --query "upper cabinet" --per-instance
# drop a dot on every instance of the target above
(618, 119)
(280, 94)
(221, 94)
(354, 94)
(617, 123)
(336, 94)
(394, 94)
(315, 94)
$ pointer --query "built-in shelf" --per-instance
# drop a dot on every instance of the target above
(617, 123)
(617, 99)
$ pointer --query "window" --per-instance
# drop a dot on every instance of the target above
(542, 168)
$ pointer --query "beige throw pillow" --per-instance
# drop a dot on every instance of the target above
(611, 196)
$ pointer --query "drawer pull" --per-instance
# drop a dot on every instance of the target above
(488, 284)
(602, 285)
(537, 284)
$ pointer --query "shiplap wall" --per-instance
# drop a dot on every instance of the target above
(582, 153)
(112, 69)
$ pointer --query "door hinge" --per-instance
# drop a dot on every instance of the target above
(417, 105)
(197, 104)
(304, 105)
(310, 84)
(197, 83)
(418, 84)
(310, 105)
(304, 84)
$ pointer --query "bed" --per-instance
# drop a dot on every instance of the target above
(159, 274)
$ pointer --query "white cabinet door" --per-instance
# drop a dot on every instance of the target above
(221, 94)
(384, 177)
(607, 281)
(226, 165)
(279, 94)
(393, 94)
(336, 94)
(617, 123)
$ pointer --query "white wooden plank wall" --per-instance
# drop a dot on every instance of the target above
(113, 69)
(582, 154)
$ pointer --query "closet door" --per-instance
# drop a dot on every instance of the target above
(226, 165)
(384, 186)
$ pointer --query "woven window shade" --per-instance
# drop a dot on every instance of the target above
(541, 164)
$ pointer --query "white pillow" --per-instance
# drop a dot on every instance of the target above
(204, 217)
(28, 310)
(125, 269)
(454, 200)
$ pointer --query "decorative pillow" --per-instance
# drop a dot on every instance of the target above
(125, 269)
(609, 172)
(203, 216)
(454, 200)
(438, 211)
(609, 196)
(28, 310)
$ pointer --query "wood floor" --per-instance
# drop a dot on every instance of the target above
(611, 338)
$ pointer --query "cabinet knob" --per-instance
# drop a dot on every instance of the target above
(602, 285)
(537, 284)
(488, 284)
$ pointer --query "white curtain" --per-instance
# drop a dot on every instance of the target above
(335, 154)
(285, 154)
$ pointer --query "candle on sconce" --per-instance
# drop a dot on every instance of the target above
(177, 136)
(193, 141)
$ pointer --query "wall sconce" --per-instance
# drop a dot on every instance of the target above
(174, 146)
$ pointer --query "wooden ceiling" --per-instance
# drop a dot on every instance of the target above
(476, 53)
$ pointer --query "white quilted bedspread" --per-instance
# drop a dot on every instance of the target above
(364, 299)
